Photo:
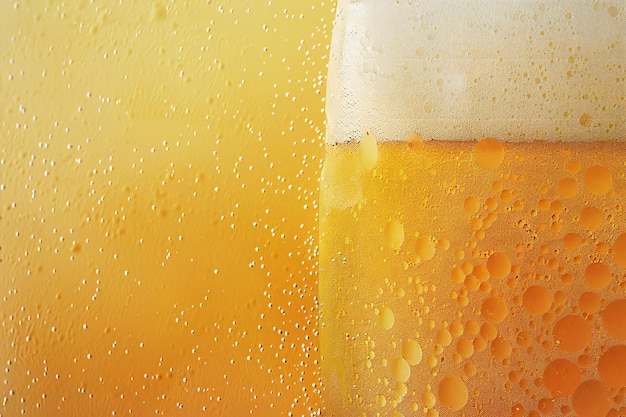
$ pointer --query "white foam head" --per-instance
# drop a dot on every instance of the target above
(517, 70)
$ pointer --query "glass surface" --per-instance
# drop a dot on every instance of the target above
(159, 165)
(472, 220)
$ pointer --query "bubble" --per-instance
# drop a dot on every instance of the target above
(456, 329)
(572, 333)
(465, 347)
(470, 369)
(494, 310)
(537, 299)
(400, 369)
(585, 119)
(472, 327)
(386, 318)
(598, 180)
(489, 153)
(612, 366)
(572, 166)
(591, 399)
(412, 352)
(500, 348)
(524, 338)
(598, 275)
(619, 251)
(444, 338)
(498, 265)
(613, 319)
(590, 218)
(394, 234)
(561, 377)
(368, 151)
(589, 302)
(471, 205)
(572, 241)
(425, 248)
(488, 331)
(453, 393)
(567, 187)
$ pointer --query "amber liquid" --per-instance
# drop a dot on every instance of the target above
(475, 279)
(159, 166)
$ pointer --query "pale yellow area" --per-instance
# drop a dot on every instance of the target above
(158, 195)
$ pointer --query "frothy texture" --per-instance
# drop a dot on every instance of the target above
(455, 70)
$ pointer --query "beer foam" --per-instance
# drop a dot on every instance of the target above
(516, 70)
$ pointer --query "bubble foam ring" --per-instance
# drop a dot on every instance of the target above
(518, 70)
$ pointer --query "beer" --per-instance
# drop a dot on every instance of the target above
(472, 223)
(478, 277)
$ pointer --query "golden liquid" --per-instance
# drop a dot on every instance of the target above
(476, 279)
(158, 185)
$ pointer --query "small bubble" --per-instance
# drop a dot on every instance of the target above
(386, 318)
(425, 248)
(585, 119)
(453, 393)
(394, 234)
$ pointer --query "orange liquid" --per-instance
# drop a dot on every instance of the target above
(158, 207)
(476, 279)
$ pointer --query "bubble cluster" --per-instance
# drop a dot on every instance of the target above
(500, 290)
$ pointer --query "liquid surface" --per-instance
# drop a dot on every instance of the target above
(474, 279)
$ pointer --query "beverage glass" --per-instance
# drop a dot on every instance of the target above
(472, 218)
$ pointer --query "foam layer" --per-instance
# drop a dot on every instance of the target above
(517, 70)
